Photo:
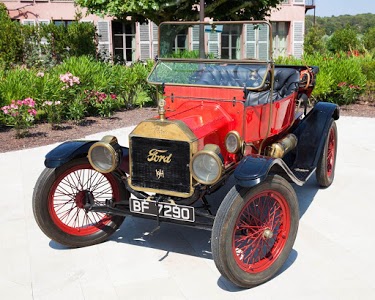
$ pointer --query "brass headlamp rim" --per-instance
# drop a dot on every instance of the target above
(217, 158)
(238, 139)
(114, 155)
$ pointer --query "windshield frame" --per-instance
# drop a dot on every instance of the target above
(268, 64)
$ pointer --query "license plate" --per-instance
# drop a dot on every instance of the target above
(166, 210)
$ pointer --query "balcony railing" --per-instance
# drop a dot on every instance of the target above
(310, 2)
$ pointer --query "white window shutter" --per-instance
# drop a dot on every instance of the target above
(213, 44)
(104, 41)
(144, 41)
(257, 42)
(263, 41)
(250, 41)
(302, 2)
(298, 36)
(194, 38)
(155, 39)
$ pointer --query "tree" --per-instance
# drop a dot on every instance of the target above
(369, 39)
(10, 39)
(314, 41)
(361, 22)
(343, 40)
(174, 10)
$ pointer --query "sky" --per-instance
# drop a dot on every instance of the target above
(328, 8)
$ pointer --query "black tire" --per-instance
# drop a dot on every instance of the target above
(243, 220)
(325, 171)
(58, 200)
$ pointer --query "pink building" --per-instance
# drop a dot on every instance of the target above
(131, 41)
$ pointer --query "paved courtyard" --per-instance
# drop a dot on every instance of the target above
(332, 257)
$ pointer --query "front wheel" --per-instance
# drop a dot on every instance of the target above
(254, 231)
(59, 199)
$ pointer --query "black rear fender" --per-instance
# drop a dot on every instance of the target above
(312, 133)
(298, 165)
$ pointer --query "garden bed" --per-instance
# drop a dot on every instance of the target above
(43, 134)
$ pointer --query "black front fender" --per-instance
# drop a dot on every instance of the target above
(75, 149)
(66, 152)
(254, 169)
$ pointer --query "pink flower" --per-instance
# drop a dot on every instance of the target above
(76, 80)
(113, 96)
(57, 102)
(355, 87)
(69, 79)
(29, 102)
(40, 74)
(341, 84)
(5, 109)
(32, 112)
(13, 105)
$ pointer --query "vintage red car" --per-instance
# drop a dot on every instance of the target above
(225, 110)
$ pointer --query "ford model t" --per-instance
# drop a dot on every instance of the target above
(228, 111)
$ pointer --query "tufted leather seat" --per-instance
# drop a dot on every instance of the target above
(285, 83)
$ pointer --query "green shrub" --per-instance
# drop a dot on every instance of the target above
(369, 39)
(314, 42)
(78, 87)
(16, 84)
(340, 79)
(368, 67)
(10, 39)
(343, 40)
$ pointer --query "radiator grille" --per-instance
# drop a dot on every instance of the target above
(160, 164)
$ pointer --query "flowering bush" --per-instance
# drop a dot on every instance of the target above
(348, 92)
(20, 114)
(69, 80)
(53, 110)
(102, 103)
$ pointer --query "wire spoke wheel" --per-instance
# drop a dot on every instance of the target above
(62, 197)
(254, 231)
(261, 231)
(325, 171)
(71, 192)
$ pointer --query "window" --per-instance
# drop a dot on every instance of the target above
(123, 41)
(62, 22)
(30, 22)
(280, 38)
(180, 42)
(230, 42)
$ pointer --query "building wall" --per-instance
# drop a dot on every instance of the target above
(291, 16)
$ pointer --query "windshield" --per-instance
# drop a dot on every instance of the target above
(252, 76)
(232, 54)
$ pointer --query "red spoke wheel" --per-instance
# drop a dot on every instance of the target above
(59, 200)
(254, 231)
(325, 171)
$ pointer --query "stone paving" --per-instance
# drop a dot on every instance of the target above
(332, 257)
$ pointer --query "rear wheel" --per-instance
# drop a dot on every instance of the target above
(254, 231)
(325, 171)
(59, 199)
